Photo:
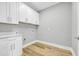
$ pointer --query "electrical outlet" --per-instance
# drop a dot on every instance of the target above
(24, 39)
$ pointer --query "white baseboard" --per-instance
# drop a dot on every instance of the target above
(52, 44)
(29, 43)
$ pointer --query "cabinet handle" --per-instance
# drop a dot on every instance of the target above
(11, 47)
(11, 50)
(14, 46)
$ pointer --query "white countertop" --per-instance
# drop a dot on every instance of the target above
(8, 34)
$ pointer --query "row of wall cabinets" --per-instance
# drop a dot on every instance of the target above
(15, 12)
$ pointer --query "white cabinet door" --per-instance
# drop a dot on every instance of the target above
(14, 12)
(17, 46)
(23, 12)
(12, 15)
(3, 12)
(5, 49)
(33, 16)
(11, 46)
(9, 12)
(28, 15)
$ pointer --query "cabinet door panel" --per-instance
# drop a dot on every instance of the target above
(4, 48)
(12, 46)
(19, 39)
(34, 17)
(3, 11)
(18, 46)
(28, 15)
(12, 12)
(23, 12)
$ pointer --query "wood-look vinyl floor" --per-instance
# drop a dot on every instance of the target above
(40, 49)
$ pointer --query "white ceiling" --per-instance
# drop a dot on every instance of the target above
(38, 6)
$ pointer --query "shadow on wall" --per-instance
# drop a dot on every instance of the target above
(28, 31)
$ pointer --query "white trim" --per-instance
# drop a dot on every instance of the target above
(73, 52)
(60, 46)
(52, 44)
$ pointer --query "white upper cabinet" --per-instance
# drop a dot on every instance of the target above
(28, 15)
(9, 12)
(3, 12)
(13, 12)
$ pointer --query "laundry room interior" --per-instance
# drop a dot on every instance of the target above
(39, 28)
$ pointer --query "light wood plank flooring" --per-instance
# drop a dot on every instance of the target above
(40, 49)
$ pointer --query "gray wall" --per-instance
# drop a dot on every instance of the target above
(56, 24)
(29, 32)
